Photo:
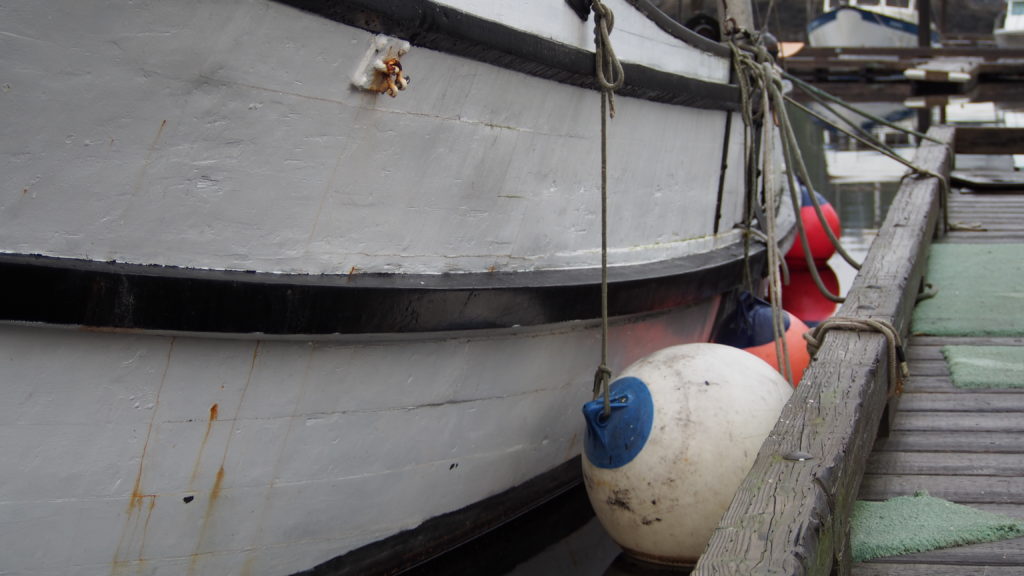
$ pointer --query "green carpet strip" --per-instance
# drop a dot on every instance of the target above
(980, 291)
(985, 366)
(909, 524)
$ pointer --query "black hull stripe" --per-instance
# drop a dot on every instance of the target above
(440, 535)
(132, 296)
(437, 27)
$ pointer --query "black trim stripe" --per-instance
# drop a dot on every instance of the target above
(133, 296)
(401, 552)
(437, 27)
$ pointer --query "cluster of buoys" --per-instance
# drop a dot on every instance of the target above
(751, 324)
(802, 297)
(750, 327)
(664, 456)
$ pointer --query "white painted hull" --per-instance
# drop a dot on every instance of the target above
(227, 135)
(1008, 31)
(313, 448)
(1009, 38)
(179, 142)
(847, 27)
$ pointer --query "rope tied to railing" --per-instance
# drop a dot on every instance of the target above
(899, 371)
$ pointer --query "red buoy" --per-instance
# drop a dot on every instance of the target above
(817, 238)
(802, 298)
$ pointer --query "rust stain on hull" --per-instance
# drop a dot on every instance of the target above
(135, 502)
(214, 409)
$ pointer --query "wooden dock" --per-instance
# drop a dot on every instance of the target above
(966, 446)
(856, 440)
(891, 64)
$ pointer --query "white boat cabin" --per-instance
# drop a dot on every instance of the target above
(900, 9)
(1014, 16)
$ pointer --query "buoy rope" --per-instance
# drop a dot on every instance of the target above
(898, 368)
(795, 161)
(769, 78)
(798, 168)
(821, 95)
(862, 136)
(610, 77)
(754, 71)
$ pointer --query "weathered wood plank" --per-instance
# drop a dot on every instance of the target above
(943, 384)
(946, 463)
(942, 441)
(972, 140)
(792, 517)
(931, 368)
(930, 347)
(959, 489)
(886, 569)
(966, 401)
(960, 421)
(1002, 553)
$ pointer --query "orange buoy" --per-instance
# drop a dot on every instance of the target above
(817, 238)
(749, 327)
(802, 298)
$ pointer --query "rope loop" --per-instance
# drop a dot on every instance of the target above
(609, 73)
(899, 371)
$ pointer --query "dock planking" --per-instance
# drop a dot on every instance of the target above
(958, 444)
(962, 445)
(792, 516)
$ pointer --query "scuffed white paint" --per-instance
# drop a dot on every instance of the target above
(324, 445)
(634, 37)
(227, 136)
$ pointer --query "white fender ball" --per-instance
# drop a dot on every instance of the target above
(685, 427)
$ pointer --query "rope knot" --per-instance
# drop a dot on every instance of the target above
(899, 369)
(610, 75)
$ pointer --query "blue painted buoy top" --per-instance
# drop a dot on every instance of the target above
(613, 441)
(750, 324)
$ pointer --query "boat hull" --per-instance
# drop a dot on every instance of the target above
(230, 136)
(194, 455)
(853, 27)
(1008, 38)
(257, 319)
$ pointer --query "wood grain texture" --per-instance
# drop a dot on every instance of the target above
(791, 517)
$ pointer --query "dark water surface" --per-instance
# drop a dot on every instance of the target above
(562, 538)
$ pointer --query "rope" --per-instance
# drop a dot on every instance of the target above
(754, 74)
(821, 95)
(609, 77)
(870, 141)
(898, 369)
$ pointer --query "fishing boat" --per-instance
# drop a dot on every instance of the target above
(1009, 28)
(313, 286)
(867, 23)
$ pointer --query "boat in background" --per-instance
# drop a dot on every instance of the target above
(866, 23)
(260, 317)
(1009, 28)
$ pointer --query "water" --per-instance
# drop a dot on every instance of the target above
(563, 538)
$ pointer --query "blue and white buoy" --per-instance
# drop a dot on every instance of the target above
(686, 423)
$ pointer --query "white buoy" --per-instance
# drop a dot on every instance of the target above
(686, 424)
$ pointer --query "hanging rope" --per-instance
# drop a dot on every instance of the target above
(754, 73)
(610, 78)
(898, 369)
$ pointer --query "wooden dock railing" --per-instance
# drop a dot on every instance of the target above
(791, 513)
